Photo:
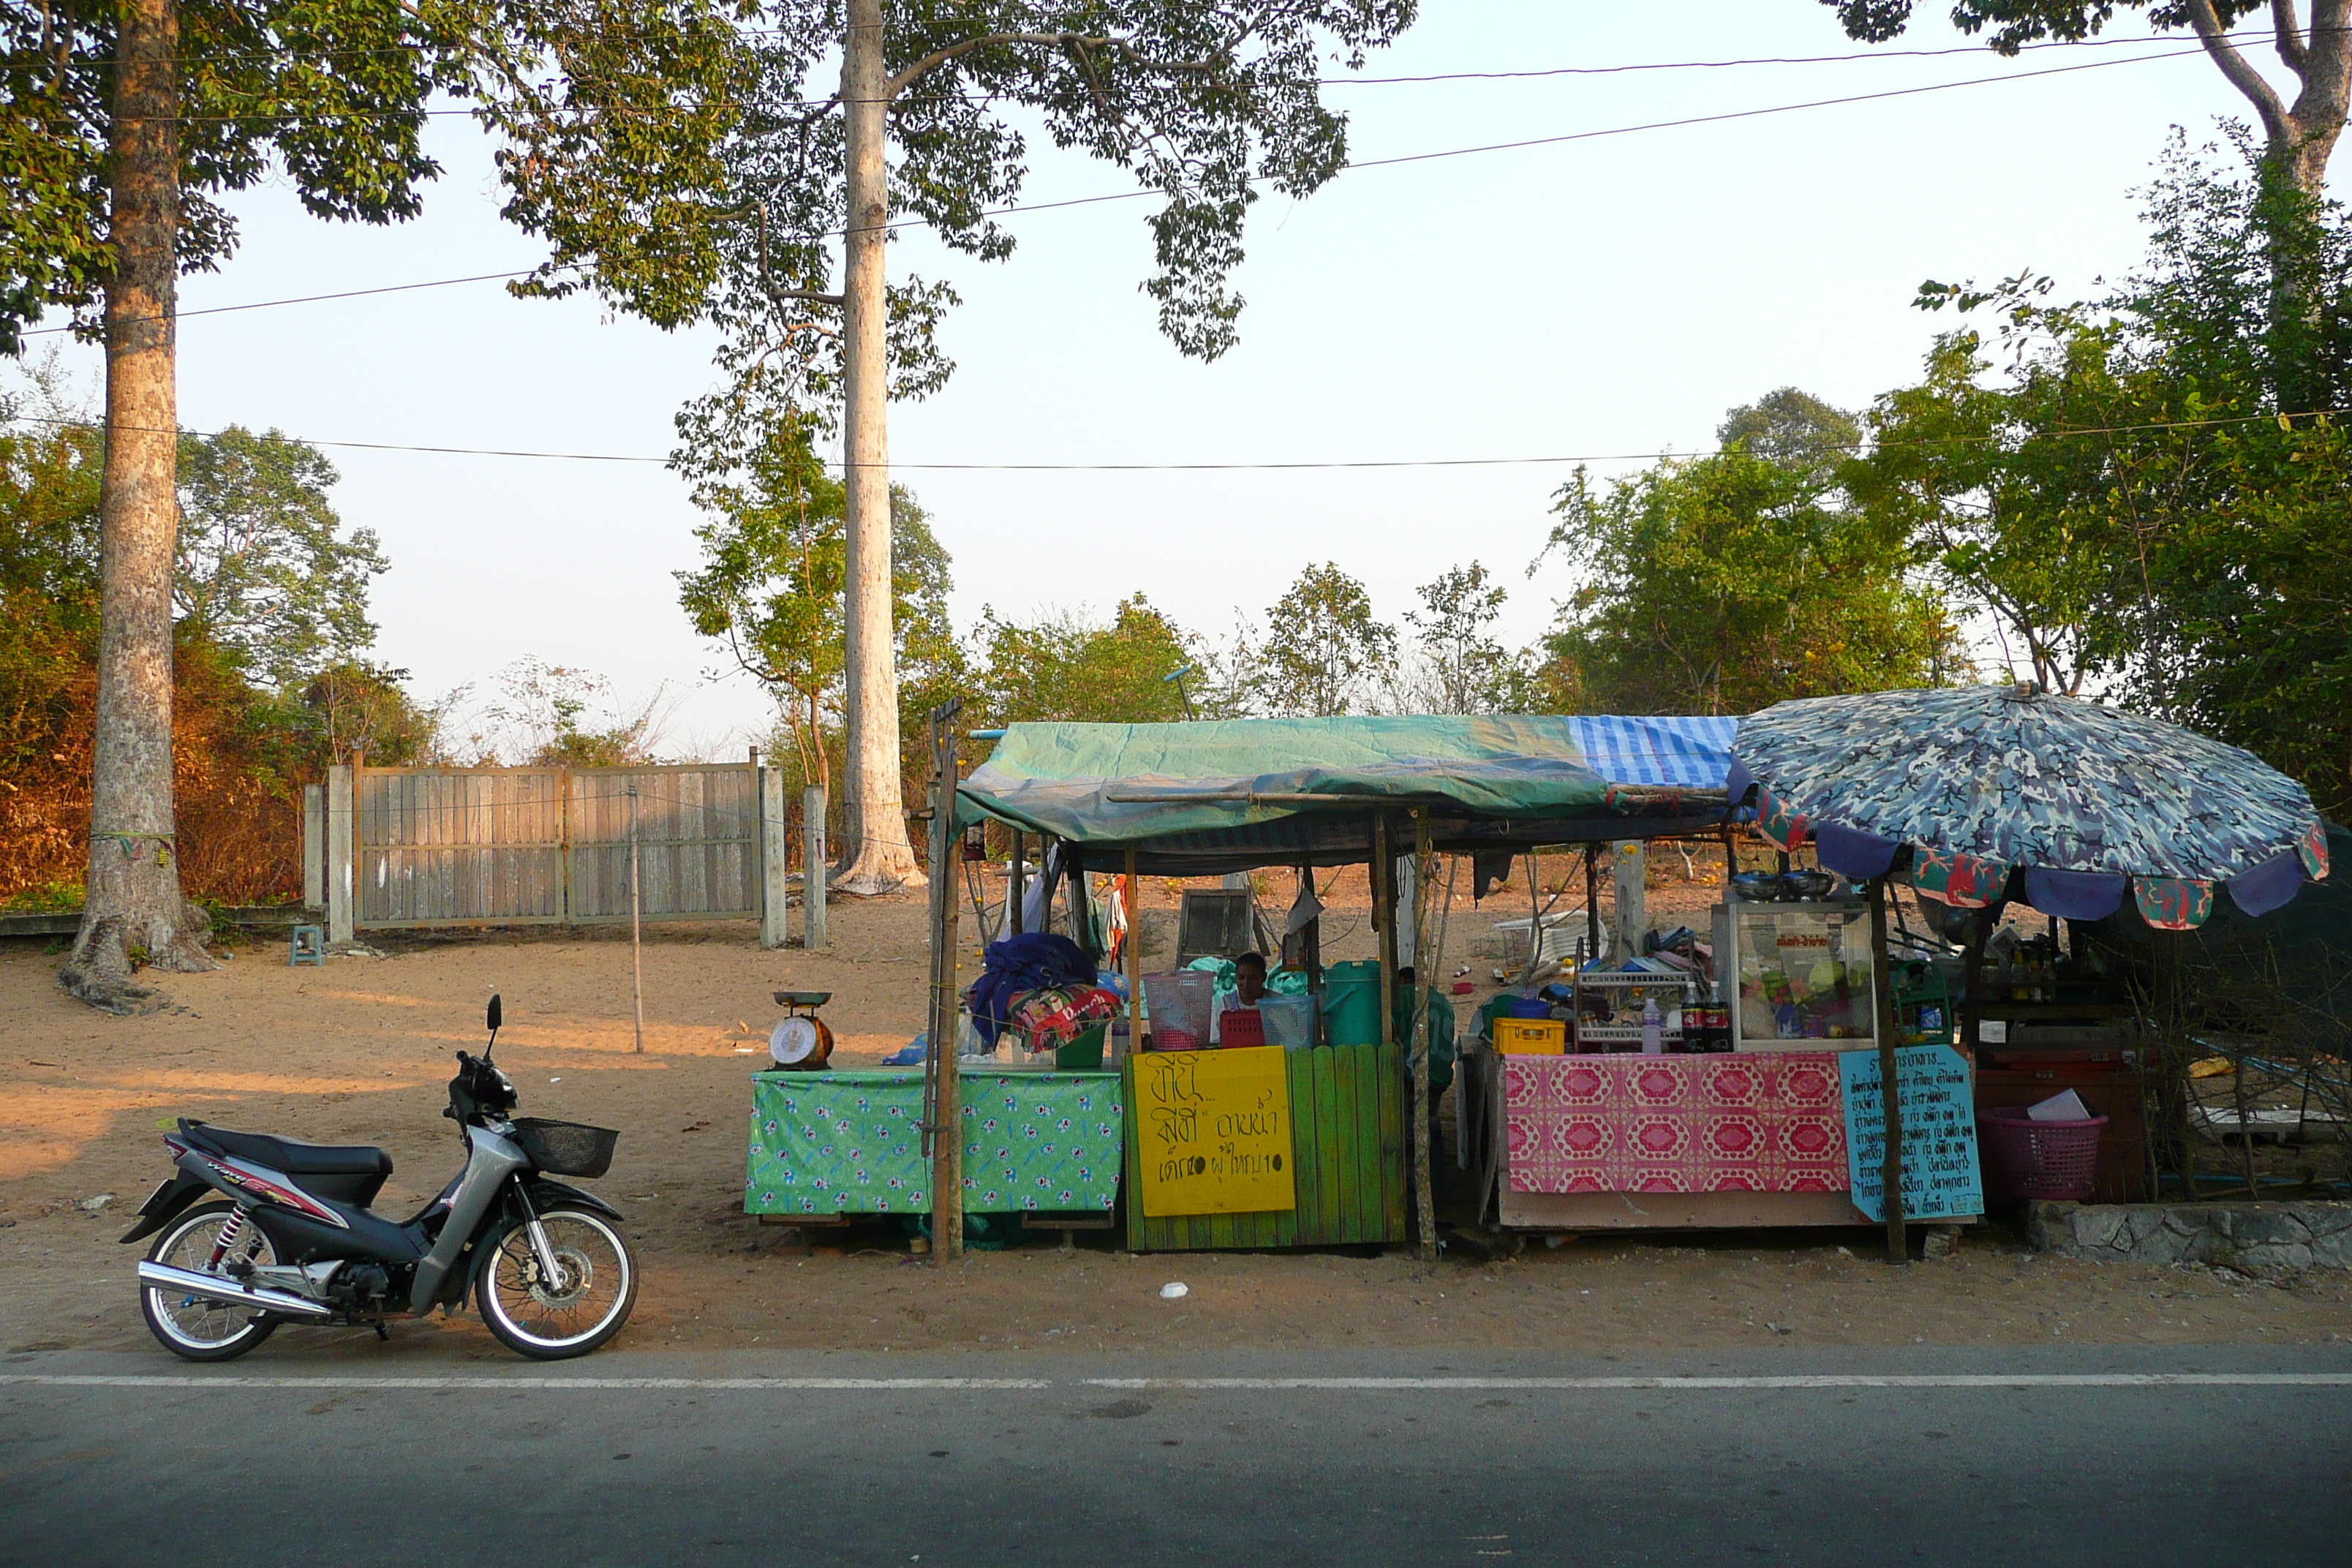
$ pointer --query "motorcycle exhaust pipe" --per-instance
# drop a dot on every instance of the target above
(213, 1288)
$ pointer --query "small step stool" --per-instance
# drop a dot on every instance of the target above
(308, 945)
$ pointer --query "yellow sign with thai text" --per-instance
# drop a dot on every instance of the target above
(1214, 1131)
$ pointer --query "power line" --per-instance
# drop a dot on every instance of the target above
(1546, 73)
(1303, 465)
(897, 223)
(2254, 34)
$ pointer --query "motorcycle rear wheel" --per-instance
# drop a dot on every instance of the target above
(188, 1326)
(571, 1314)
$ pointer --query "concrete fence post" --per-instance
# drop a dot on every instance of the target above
(774, 864)
(314, 846)
(812, 867)
(341, 835)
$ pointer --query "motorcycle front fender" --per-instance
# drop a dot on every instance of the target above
(547, 1195)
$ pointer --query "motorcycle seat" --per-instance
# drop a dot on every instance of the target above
(297, 1158)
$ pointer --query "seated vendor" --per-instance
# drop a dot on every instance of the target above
(1249, 981)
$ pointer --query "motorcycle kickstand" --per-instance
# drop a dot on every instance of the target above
(383, 1332)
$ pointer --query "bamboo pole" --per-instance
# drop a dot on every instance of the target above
(1423, 956)
(1890, 1172)
(1133, 954)
(1384, 921)
(946, 1117)
(637, 942)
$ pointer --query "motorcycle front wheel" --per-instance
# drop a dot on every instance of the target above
(190, 1326)
(578, 1307)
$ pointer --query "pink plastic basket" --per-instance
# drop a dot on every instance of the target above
(2028, 1159)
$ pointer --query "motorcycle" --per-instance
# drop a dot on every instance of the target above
(297, 1241)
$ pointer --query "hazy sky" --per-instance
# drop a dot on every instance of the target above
(1598, 299)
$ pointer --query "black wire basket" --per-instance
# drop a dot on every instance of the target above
(566, 1148)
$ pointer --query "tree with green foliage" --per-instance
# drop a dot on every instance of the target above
(1727, 583)
(1070, 667)
(771, 586)
(123, 123)
(1323, 652)
(2148, 491)
(1205, 101)
(2299, 136)
(265, 570)
(1458, 666)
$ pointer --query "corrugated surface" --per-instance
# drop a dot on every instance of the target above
(547, 845)
(1346, 1109)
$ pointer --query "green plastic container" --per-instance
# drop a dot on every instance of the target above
(1083, 1053)
(1351, 1004)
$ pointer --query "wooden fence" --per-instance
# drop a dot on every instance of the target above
(402, 847)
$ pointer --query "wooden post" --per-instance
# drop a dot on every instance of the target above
(314, 846)
(946, 1117)
(1424, 957)
(813, 867)
(342, 842)
(636, 934)
(1882, 986)
(775, 862)
(1384, 921)
(1134, 970)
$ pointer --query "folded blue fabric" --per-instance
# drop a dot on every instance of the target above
(1019, 965)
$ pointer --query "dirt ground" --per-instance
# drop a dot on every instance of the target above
(358, 1051)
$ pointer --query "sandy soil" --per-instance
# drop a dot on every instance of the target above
(358, 1051)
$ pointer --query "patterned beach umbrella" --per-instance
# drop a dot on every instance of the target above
(1981, 780)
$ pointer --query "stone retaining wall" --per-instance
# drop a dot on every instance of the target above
(2256, 1238)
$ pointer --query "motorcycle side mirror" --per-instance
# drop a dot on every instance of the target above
(496, 1014)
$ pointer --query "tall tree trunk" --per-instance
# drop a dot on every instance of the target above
(877, 857)
(132, 911)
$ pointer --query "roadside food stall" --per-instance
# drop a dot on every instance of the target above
(1266, 1146)
(1980, 797)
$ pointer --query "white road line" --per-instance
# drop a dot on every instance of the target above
(1825, 1380)
(517, 1381)
(1212, 1384)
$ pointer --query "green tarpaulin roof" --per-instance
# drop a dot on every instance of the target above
(1205, 796)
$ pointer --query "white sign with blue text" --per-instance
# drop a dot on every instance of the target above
(1941, 1178)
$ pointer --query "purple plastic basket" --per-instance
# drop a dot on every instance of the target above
(2028, 1159)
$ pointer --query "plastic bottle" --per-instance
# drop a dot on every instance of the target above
(1654, 1028)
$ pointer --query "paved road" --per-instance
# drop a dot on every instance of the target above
(363, 1454)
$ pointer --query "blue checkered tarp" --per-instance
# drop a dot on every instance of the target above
(1692, 752)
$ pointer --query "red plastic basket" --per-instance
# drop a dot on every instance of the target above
(2028, 1159)
(1238, 1027)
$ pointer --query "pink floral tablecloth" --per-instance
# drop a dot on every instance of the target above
(1747, 1122)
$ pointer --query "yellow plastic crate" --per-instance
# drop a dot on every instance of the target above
(1531, 1036)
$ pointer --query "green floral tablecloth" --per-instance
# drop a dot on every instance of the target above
(846, 1143)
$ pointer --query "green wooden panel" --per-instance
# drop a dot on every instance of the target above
(1335, 1165)
(1306, 1152)
(1366, 1092)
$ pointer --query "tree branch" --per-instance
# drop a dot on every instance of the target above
(810, 295)
(2289, 34)
(2243, 76)
(938, 58)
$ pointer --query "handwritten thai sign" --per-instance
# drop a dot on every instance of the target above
(1941, 1179)
(1214, 1131)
